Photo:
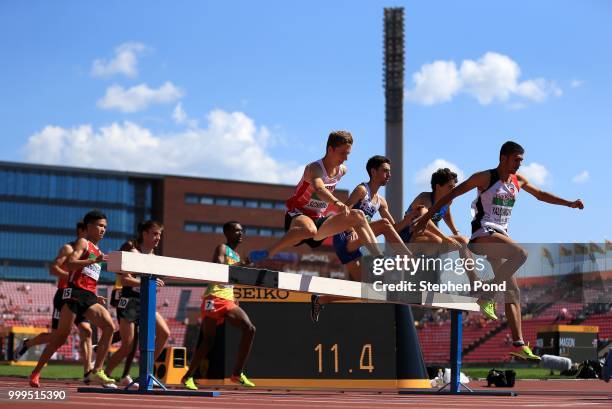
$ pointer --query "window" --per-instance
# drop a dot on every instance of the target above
(207, 200)
(191, 227)
(237, 202)
(265, 232)
(191, 199)
(279, 205)
(221, 201)
(266, 204)
(206, 228)
(251, 203)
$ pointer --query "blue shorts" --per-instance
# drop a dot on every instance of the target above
(340, 243)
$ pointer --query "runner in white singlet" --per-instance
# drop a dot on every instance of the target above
(497, 192)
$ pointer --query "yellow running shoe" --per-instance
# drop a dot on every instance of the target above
(487, 307)
(190, 384)
(104, 380)
(524, 352)
(242, 380)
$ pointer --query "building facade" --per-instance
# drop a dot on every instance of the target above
(40, 205)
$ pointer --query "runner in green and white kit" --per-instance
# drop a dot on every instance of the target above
(497, 192)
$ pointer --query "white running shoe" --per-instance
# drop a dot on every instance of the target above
(128, 381)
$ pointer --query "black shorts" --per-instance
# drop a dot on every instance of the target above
(115, 296)
(318, 223)
(128, 307)
(79, 300)
(58, 303)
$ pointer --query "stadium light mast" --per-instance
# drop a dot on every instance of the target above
(394, 106)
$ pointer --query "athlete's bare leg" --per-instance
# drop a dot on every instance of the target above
(86, 334)
(162, 332)
(58, 339)
(126, 329)
(208, 329)
(100, 317)
(506, 257)
(238, 318)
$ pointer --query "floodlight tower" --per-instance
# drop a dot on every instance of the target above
(394, 106)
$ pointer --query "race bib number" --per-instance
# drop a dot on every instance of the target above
(209, 305)
(67, 294)
(93, 271)
(123, 302)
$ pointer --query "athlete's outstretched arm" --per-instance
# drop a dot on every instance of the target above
(547, 197)
(55, 269)
(384, 211)
(476, 180)
(448, 219)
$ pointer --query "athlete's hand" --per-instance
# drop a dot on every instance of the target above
(159, 282)
(99, 259)
(576, 204)
(342, 208)
(101, 300)
(420, 223)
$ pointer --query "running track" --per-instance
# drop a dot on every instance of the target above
(532, 394)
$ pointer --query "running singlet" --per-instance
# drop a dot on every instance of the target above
(367, 205)
(87, 277)
(493, 206)
(62, 281)
(221, 290)
(305, 201)
(441, 213)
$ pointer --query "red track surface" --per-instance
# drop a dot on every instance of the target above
(532, 394)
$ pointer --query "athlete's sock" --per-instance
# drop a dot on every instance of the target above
(518, 343)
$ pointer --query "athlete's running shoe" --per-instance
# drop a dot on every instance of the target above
(487, 308)
(315, 308)
(190, 384)
(524, 352)
(34, 380)
(242, 380)
(101, 378)
(128, 381)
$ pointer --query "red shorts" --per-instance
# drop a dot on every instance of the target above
(216, 308)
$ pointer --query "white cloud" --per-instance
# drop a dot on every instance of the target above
(423, 177)
(124, 62)
(435, 83)
(582, 177)
(492, 78)
(231, 146)
(534, 172)
(576, 83)
(138, 97)
(181, 118)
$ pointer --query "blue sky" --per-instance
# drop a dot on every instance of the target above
(250, 90)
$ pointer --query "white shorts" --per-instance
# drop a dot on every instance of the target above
(488, 230)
